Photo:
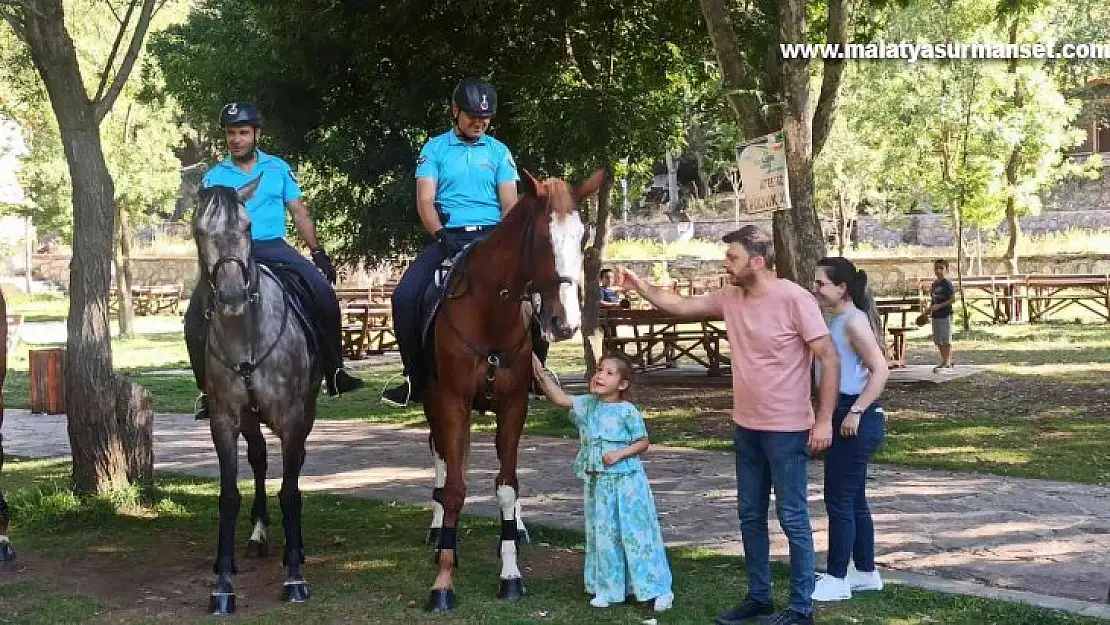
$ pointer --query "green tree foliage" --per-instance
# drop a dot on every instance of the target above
(352, 99)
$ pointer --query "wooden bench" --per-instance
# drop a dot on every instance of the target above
(367, 329)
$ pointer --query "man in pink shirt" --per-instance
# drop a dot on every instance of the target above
(775, 329)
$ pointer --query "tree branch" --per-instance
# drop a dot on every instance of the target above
(737, 75)
(115, 47)
(14, 21)
(101, 106)
(829, 99)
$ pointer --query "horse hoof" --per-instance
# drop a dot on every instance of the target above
(441, 600)
(7, 554)
(258, 549)
(511, 589)
(221, 603)
(433, 536)
(296, 592)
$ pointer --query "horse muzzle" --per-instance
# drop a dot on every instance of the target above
(560, 330)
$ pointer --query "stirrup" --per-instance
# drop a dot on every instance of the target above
(388, 386)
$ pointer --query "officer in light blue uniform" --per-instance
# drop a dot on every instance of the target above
(277, 192)
(465, 182)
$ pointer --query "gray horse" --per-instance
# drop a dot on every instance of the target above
(259, 370)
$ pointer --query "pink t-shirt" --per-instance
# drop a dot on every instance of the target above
(771, 361)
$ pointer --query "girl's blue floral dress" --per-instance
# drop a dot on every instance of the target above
(624, 545)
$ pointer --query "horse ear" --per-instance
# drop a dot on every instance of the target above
(586, 189)
(246, 192)
(531, 184)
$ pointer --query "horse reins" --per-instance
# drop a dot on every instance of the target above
(498, 358)
(251, 276)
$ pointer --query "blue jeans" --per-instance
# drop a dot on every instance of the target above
(407, 302)
(851, 531)
(778, 459)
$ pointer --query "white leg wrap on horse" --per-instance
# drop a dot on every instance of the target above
(3, 539)
(441, 481)
(259, 534)
(509, 569)
(506, 499)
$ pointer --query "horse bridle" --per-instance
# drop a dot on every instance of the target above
(493, 356)
(252, 280)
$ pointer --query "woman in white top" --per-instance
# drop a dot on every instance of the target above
(858, 427)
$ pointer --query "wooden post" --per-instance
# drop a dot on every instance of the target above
(48, 388)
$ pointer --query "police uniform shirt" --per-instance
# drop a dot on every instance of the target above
(266, 207)
(467, 175)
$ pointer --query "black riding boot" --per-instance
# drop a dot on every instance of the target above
(336, 378)
(194, 344)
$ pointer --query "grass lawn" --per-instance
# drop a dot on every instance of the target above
(1042, 409)
(109, 560)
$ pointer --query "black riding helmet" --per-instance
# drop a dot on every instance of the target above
(476, 97)
(240, 114)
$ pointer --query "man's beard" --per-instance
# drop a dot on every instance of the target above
(745, 279)
(248, 156)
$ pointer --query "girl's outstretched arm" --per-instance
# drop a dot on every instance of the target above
(550, 388)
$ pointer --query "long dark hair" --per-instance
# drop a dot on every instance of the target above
(842, 271)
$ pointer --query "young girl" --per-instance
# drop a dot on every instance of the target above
(858, 425)
(624, 545)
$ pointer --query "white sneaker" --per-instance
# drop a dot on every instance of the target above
(829, 588)
(598, 602)
(664, 602)
(860, 581)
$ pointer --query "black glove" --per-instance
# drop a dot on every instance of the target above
(322, 261)
(449, 244)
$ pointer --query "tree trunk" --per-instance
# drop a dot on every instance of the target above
(135, 420)
(592, 343)
(97, 442)
(1012, 223)
(841, 224)
(799, 241)
(672, 184)
(123, 275)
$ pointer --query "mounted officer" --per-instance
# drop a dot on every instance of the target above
(277, 193)
(465, 183)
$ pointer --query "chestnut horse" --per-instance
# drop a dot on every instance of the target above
(6, 552)
(483, 356)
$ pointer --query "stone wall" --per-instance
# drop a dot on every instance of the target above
(887, 276)
(146, 271)
(929, 230)
(149, 271)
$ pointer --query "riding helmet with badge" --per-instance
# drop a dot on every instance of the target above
(239, 114)
(476, 97)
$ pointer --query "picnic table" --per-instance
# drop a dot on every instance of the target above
(377, 294)
(367, 329)
(655, 339)
(1032, 297)
(151, 300)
